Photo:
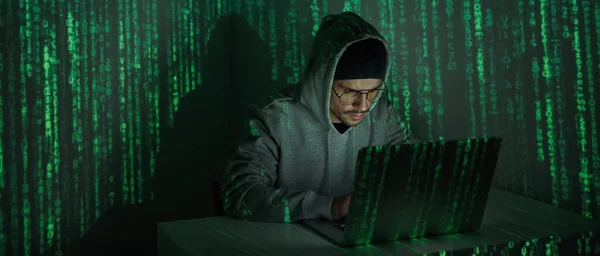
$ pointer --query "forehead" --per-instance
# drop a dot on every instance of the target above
(358, 84)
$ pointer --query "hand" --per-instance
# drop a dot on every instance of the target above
(339, 207)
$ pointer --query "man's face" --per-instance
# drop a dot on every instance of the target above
(354, 113)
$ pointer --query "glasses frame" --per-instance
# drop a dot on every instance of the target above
(382, 91)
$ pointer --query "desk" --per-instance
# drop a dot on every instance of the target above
(510, 223)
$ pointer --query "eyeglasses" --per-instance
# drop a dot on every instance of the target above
(352, 96)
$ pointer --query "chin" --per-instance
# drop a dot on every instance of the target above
(352, 123)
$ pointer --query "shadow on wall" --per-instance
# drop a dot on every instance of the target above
(207, 127)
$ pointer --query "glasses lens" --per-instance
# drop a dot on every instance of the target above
(371, 95)
(348, 98)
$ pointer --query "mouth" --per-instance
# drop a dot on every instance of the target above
(357, 116)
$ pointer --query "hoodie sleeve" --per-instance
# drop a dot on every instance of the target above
(397, 132)
(247, 184)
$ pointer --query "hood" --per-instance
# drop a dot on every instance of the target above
(335, 34)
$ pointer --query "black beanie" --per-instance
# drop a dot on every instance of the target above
(361, 60)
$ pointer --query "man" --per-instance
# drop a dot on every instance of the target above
(299, 162)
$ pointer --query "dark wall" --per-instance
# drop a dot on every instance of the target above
(90, 95)
(111, 104)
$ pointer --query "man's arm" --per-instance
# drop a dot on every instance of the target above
(397, 132)
(247, 184)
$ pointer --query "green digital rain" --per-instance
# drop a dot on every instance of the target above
(86, 87)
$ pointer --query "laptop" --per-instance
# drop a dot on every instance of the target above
(418, 190)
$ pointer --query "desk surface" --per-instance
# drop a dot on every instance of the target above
(508, 218)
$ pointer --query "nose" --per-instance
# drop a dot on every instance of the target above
(362, 103)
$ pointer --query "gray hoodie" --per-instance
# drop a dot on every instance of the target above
(296, 161)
